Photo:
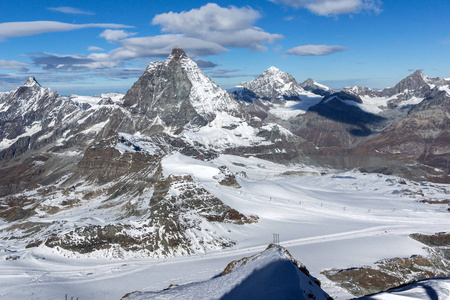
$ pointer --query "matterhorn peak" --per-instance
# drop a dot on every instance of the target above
(178, 92)
(31, 81)
(177, 54)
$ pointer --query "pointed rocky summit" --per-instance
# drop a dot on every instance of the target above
(177, 92)
(31, 81)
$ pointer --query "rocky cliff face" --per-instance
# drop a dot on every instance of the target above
(422, 135)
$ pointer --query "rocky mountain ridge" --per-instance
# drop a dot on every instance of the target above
(272, 84)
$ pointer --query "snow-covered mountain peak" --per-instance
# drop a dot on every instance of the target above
(178, 92)
(31, 81)
(205, 96)
(274, 84)
(278, 75)
(314, 87)
(273, 69)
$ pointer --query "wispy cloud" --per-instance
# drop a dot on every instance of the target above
(115, 35)
(20, 29)
(205, 64)
(161, 46)
(94, 48)
(13, 65)
(71, 10)
(334, 7)
(315, 50)
(122, 73)
(227, 73)
(413, 70)
(73, 63)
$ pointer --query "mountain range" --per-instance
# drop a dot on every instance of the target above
(106, 154)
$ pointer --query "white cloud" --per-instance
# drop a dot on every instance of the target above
(19, 29)
(228, 27)
(12, 65)
(314, 50)
(74, 63)
(115, 35)
(70, 10)
(334, 7)
(94, 48)
(162, 45)
(130, 49)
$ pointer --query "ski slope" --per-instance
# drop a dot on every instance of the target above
(324, 218)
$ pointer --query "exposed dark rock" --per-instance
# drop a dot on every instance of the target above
(436, 240)
(391, 273)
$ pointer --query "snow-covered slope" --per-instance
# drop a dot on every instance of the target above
(206, 96)
(272, 274)
(430, 289)
(333, 220)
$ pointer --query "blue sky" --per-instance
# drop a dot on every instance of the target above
(89, 47)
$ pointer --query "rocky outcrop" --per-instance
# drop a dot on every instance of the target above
(390, 273)
(172, 224)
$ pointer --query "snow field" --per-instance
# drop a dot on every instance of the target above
(336, 220)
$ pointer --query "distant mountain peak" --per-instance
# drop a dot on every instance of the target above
(272, 84)
(273, 69)
(177, 54)
(417, 72)
(31, 81)
(309, 81)
(314, 87)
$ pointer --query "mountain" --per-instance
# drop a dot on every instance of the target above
(271, 274)
(107, 155)
(423, 135)
(416, 84)
(176, 92)
(272, 84)
(316, 88)
(339, 121)
(177, 166)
